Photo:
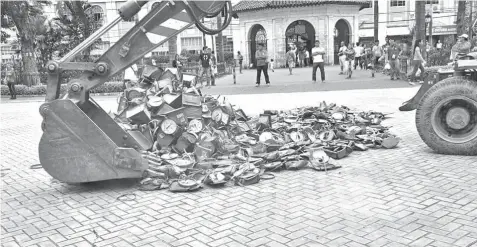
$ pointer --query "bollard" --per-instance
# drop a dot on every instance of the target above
(233, 72)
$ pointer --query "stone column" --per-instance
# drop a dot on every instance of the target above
(328, 36)
(320, 34)
(356, 28)
(270, 38)
(244, 45)
(279, 42)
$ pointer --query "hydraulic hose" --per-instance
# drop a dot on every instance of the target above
(227, 14)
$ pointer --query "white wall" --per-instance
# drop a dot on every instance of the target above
(390, 17)
(276, 21)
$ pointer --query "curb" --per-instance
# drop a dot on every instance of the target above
(43, 95)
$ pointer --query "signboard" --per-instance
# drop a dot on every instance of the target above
(443, 30)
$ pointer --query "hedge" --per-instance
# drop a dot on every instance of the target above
(108, 87)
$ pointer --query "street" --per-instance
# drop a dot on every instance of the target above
(408, 196)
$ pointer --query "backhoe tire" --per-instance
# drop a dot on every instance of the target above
(431, 118)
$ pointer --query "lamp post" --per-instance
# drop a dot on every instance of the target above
(428, 19)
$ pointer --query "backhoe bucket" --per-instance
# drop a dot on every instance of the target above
(413, 103)
(84, 144)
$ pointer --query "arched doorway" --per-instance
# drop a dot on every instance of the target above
(341, 33)
(257, 35)
(302, 34)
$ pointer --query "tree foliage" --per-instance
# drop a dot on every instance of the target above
(73, 24)
(24, 16)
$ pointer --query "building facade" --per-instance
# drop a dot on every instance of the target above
(105, 11)
(397, 19)
(279, 23)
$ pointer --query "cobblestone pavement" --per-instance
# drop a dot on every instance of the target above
(281, 82)
(407, 196)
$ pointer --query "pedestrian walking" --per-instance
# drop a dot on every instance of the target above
(240, 59)
(213, 67)
(418, 62)
(393, 53)
(358, 49)
(177, 63)
(385, 56)
(307, 58)
(350, 54)
(318, 62)
(205, 66)
(404, 56)
(290, 56)
(367, 56)
(377, 53)
(301, 57)
(342, 56)
(272, 65)
(10, 76)
(261, 55)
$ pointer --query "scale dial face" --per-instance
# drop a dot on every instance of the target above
(195, 126)
(217, 115)
(168, 126)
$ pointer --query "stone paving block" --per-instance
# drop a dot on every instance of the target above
(466, 241)
(393, 197)
(422, 242)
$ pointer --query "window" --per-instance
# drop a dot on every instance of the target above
(432, 1)
(398, 3)
(191, 42)
(96, 14)
(159, 53)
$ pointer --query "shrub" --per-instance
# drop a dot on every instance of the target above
(438, 57)
(193, 58)
(108, 87)
(161, 59)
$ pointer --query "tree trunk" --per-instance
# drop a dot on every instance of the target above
(461, 17)
(29, 75)
(420, 27)
(220, 43)
(172, 48)
(376, 20)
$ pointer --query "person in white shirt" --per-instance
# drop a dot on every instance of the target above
(358, 49)
(318, 62)
(342, 56)
(439, 45)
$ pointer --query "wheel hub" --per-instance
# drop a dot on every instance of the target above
(458, 118)
(454, 119)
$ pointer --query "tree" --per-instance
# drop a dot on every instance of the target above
(4, 36)
(74, 23)
(22, 15)
(172, 44)
(461, 17)
(419, 29)
(220, 41)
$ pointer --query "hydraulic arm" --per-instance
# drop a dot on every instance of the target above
(81, 142)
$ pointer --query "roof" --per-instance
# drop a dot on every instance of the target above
(250, 5)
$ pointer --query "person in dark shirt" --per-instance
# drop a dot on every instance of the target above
(350, 55)
(393, 53)
(213, 68)
(240, 59)
(205, 66)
